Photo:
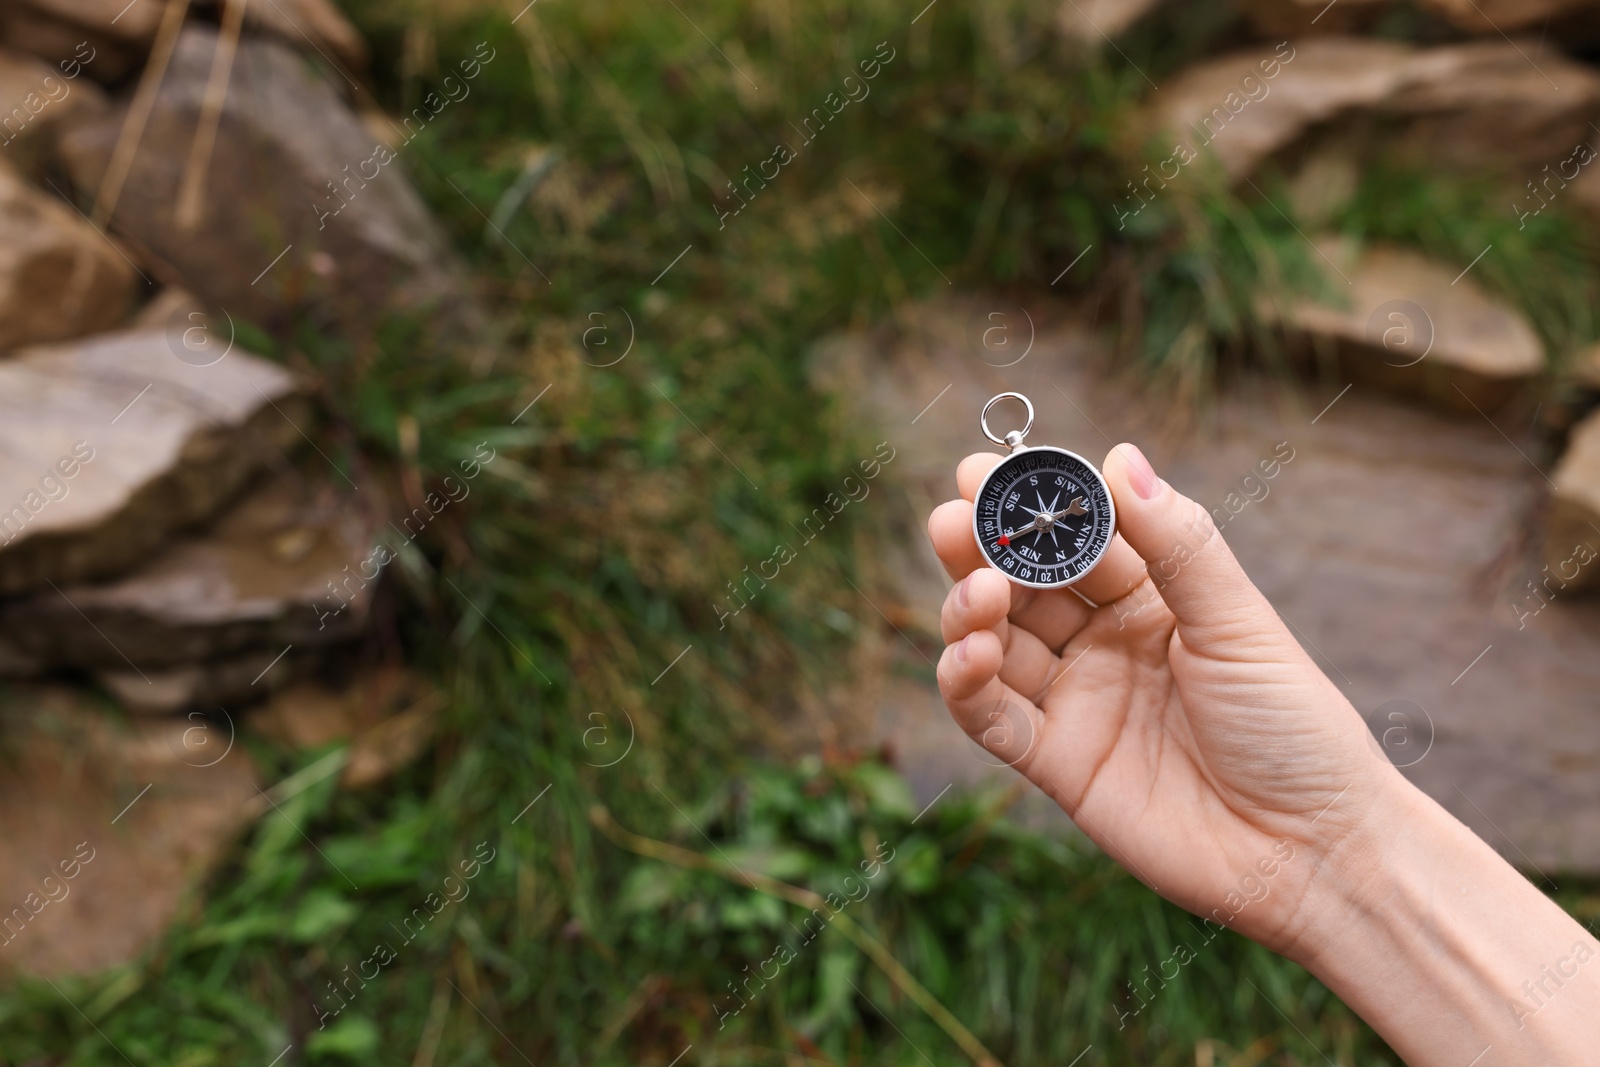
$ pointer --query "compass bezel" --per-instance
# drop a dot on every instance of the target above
(1093, 472)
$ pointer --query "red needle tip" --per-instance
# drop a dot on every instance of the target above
(1004, 540)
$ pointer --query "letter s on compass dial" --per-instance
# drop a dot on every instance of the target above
(1043, 517)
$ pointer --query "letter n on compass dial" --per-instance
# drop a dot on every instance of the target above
(1044, 517)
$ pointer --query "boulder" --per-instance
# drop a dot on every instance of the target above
(108, 445)
(213, 610)
(1572, 536)
(1413, 326)
(58, 277)
(107, 828)
(304, 212)
(1482, 105)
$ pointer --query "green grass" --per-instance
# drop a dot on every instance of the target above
(602, 539)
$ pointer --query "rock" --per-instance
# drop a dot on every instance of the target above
(1481, 105)
(1093, 22)
(1209, 108)
(107, 829)
(1584, 368)
(1487, 105)
(273, 242)
(1305, 18)
(1572, 537)
(229, 681)
(58, 277)
(1387, 543)
(314, 25)
(88, 31)
(1414, 327)
(276, 570)
(392, 744)
(35, 99)
(1496, 17)
(135, 22)
(51, 28)
(388, 715)
(1325, 185)
(109, 445)
(173, 307)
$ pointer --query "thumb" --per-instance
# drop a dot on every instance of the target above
(1189, 563)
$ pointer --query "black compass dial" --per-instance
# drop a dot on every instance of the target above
(1044, 517)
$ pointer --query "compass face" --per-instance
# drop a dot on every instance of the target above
(1044, 517)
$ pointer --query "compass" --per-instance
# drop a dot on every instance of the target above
(1043, 516)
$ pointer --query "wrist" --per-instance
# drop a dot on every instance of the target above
(1423, 930)
(1361, 879)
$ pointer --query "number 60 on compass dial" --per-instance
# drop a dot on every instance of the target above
(1043, 516)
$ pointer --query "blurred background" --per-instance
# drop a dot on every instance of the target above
(463, 588)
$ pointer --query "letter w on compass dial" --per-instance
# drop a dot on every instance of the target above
(1043, 518)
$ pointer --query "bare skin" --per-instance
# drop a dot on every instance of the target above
(1184, 729)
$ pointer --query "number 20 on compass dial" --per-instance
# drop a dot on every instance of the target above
(1043, 516)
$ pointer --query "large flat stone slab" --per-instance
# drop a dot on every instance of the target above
(106, 829)
(1397, 543)
(282, 566)
(109, 445)
(223, 615)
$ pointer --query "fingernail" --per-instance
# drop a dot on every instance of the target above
(961, 649)
(1140, 476)
(961, 591)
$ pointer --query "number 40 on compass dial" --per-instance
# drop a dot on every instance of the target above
(1043, 516)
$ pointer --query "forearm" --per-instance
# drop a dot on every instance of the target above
(1448, 952)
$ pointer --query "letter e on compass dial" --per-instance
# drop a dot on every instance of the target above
(1044, 517)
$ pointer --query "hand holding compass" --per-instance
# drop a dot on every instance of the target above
(1157, 717)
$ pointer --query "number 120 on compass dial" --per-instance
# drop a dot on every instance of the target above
(1044, 517)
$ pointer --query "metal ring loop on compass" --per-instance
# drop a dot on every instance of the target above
(983, 420)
